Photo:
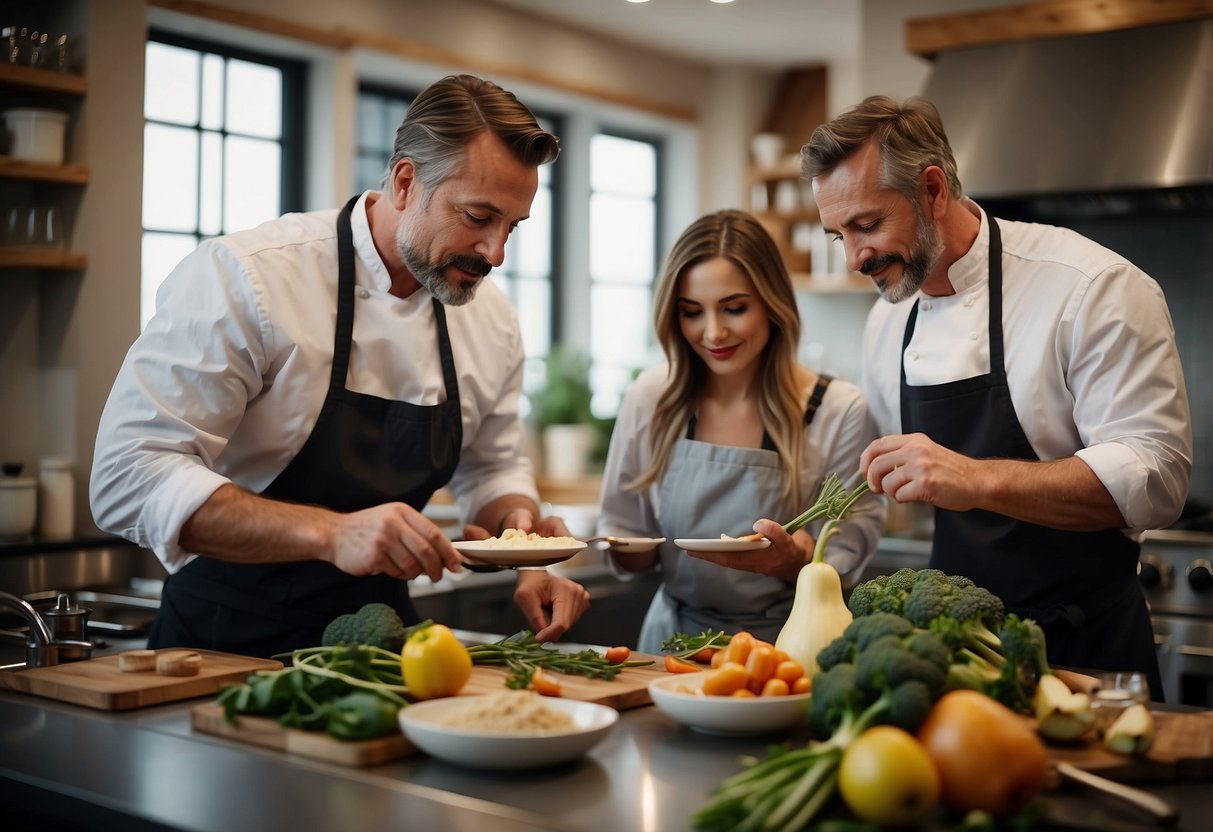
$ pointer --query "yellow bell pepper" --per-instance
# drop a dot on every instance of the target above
(434, 663)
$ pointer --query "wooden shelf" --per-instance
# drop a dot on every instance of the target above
(66, 174)
(42, 80)
(851, 283)
(42, 258)
(798, 215)
(927, 36)
(789, 169)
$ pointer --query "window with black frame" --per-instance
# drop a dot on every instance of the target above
(222, 147)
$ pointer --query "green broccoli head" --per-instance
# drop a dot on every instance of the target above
(908, 706)
(863, 631)
(838, 651)
(1023, 644)
(977, 604)
(902, 581)
(375, 624)
(890, 661)
(835, 699)
(864, 595)
(929, 599)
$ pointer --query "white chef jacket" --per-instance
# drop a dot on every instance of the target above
(840, 430)
(1090, 357)
(228, 378)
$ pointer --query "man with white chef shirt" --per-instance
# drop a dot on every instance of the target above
(1030, 389)
(304, 387)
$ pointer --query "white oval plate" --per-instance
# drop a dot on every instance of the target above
(726, 714)
(477, 749)
(482, 551)
(716, 544)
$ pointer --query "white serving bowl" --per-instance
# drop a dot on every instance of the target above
(421, 723)
(728, 715)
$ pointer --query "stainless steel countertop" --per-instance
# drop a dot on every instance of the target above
(147, 767)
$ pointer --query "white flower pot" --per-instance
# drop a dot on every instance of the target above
(566, 450)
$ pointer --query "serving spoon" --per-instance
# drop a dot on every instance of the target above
(629, 545)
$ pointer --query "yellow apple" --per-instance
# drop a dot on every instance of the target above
(887, 778)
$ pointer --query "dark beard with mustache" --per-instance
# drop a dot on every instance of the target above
(433, 276)
(924, 256)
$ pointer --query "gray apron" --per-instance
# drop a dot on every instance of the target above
(708, 490)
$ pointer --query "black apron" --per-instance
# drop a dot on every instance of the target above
(1080, 586)
(362, 452)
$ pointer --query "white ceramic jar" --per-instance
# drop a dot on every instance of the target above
(18, 504)
(56, 498)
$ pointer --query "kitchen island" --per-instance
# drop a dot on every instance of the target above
(64, 767)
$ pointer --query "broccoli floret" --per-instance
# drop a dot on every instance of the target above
(893, 679)
(971, 622)
(927, 601)
(864, 594)
(863, 631)
(976, 603)
(902, 581)
(837, 651)
(376, 624)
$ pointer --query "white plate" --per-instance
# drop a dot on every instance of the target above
(420, 723)
(726, 714)
(482, 551)
(716, 544)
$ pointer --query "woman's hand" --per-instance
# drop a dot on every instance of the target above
(783, 559)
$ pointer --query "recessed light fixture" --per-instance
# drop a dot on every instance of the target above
(638, 1)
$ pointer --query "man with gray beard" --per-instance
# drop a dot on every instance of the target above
(304, 387)
(1026, 379)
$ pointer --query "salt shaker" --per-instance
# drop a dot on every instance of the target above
(56, 498)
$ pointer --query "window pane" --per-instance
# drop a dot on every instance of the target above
(161, 254)
(370, 121)
(171, 84)
(370, 171)
(394, 110)
(530, 250)
(170, 183)
(251, 182)
(623, 166)
(210, 222)
(620, 338)
(621, 238)
(212, 92)
(254, 98)
(533, 301)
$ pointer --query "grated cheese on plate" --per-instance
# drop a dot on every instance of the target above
(508, 712)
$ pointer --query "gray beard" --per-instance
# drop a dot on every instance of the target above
(433, 277)
(924, 257)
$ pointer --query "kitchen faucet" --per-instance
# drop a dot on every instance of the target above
(41, 648)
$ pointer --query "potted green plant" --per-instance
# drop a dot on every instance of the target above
(562, 414)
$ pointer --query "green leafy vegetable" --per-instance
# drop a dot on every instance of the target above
(684, 646)
(521, 653)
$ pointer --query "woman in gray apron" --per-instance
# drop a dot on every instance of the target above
(731, 431)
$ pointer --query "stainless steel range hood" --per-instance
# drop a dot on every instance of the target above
(1124, 110)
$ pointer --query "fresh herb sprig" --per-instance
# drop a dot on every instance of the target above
(683, 646)
(833, 502)
(522, 654)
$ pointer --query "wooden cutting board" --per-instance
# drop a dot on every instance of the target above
(267, 733)
(630, 689)
(1182, 750)
(98, 683)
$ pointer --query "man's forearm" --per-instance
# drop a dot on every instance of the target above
(239, 526)
(1060, 494)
